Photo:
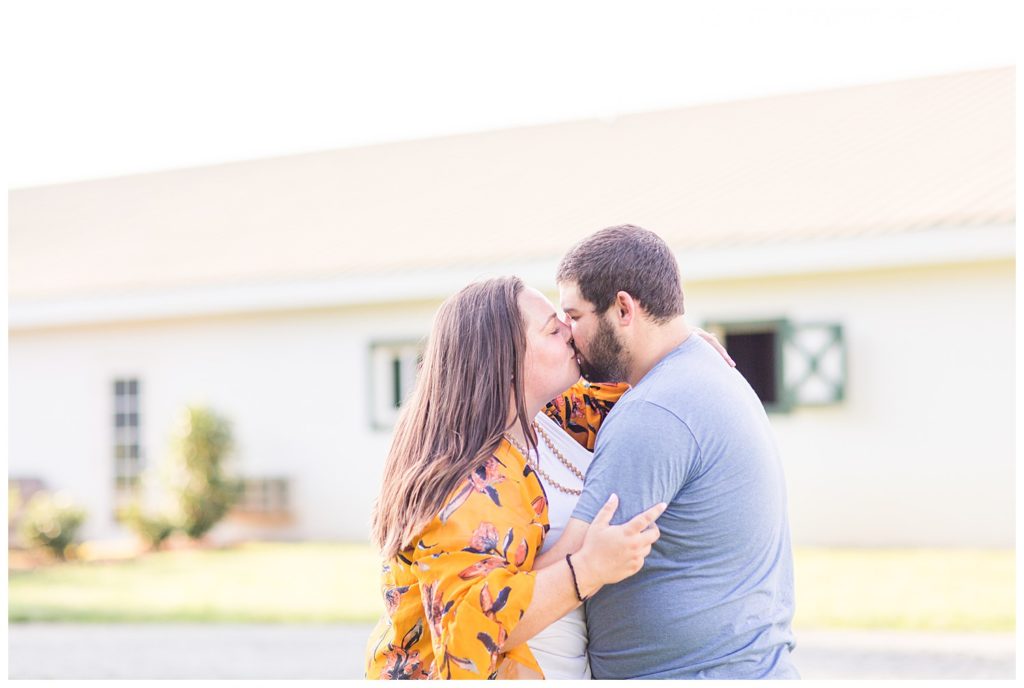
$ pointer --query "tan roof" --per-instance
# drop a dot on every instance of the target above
(895, 157)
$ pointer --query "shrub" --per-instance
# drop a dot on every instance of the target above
(153, 529)
(204, 492)
(51, 521)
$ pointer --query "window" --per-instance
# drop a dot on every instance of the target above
(127, 439)
(394, 366)
(787, 364)
(263, 496)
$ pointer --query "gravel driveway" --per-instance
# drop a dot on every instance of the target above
(74, 651)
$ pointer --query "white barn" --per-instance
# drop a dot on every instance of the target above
(289, 295)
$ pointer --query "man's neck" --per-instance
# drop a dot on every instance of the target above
(656, 343)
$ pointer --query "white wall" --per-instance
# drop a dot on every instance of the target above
(920, 453)
(922, 450)
(294, 385)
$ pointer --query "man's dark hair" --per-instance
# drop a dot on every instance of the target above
(630, 259)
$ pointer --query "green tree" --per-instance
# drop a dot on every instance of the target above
(201, 446)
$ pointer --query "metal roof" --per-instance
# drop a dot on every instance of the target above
(900, 157)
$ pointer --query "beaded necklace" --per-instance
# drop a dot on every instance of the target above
(534, 464)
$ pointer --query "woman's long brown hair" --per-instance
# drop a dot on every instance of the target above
(471, 374)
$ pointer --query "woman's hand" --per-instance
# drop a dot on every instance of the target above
(713, 341)
(612, 553)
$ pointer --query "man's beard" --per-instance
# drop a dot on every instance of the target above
(606, 361)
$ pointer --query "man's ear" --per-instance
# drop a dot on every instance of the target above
(625, 308)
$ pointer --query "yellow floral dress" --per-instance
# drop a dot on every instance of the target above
(452, 598)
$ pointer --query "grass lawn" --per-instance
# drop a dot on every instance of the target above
(927, 590)
(253, 582)
(938, 590)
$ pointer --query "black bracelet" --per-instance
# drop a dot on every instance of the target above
(575, 585)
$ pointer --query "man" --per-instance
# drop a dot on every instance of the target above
(715, 596)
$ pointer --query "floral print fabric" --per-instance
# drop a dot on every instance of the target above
(581, 409)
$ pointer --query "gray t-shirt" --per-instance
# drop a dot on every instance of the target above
(715, 596)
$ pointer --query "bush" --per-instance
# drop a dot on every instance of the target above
(204, 492)
(153, 529)
(51, 521)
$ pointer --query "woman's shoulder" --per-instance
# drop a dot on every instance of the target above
(607, 391)
(582, 408)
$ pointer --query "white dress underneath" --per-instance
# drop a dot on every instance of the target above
(561, 648)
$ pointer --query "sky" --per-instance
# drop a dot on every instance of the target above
(109, 88)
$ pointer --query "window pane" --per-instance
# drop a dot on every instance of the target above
(126, 450)
(393, 375)
(755, 354)
(396, 381)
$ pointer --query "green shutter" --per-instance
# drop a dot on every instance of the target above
(815, 362)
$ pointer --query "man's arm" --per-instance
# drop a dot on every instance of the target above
(644, 454)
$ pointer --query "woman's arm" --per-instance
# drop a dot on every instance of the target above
(607, 554)
(472, 595)
(570, 542)
(554, 596)
(479, 606)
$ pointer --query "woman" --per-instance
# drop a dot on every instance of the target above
(462, 512)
